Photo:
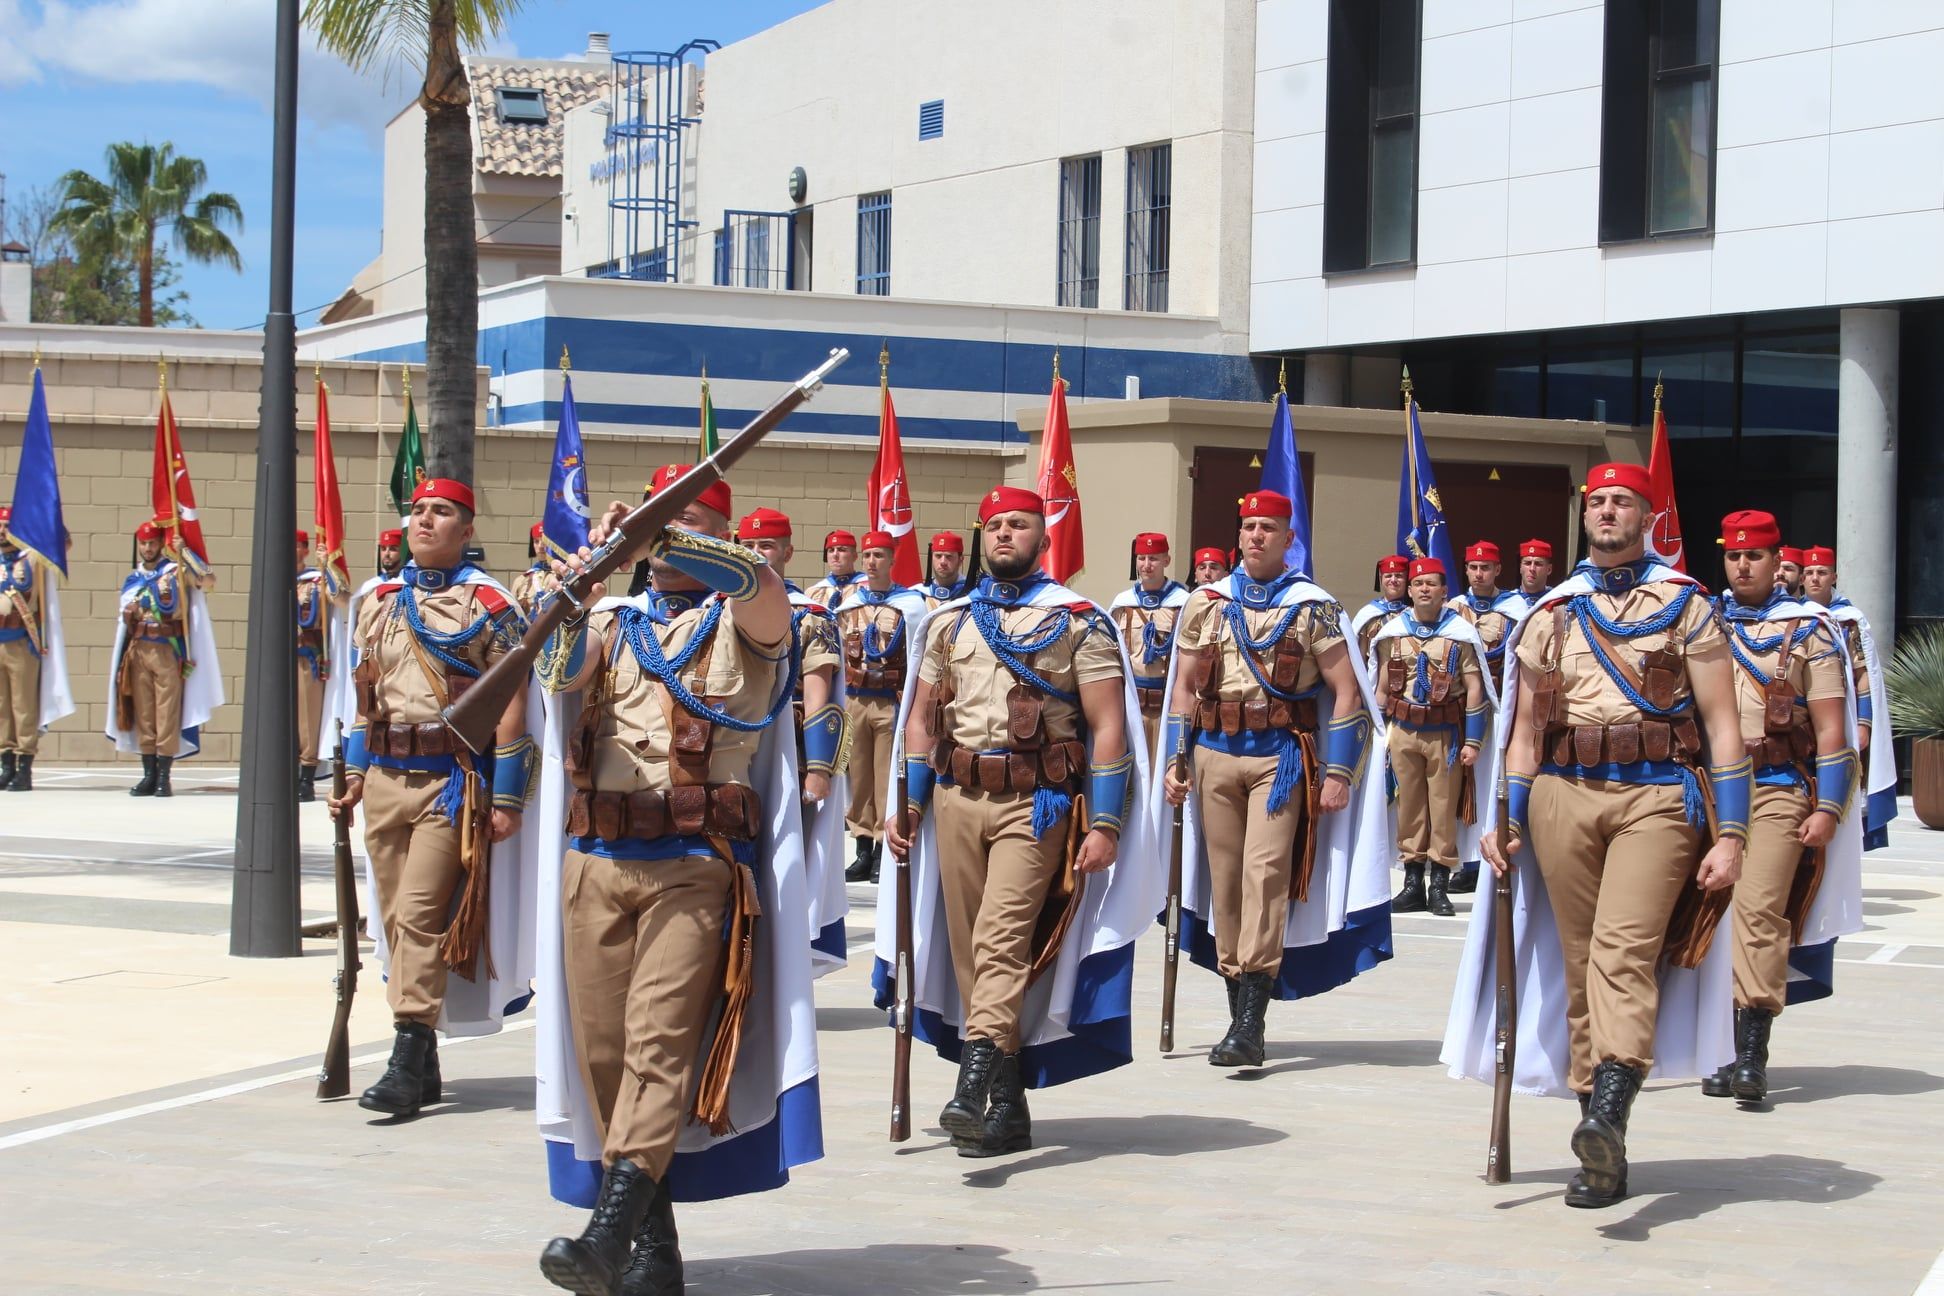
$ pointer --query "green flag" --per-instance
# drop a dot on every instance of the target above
(408, 469)
(710, 441)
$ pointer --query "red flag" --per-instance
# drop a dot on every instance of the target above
(1664, 534)
(330, 508)
(172, 494)
(1059, 486)
(891, 495)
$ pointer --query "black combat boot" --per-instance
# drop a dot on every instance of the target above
(7, 769)
(1242, 1046)
(162, 788)
(656, 1269)
(1436, 886)
(1234, 985)
(401, 1090)
(432, 1088)
(860, 867)
(877, 859)
(1719, 1084)
(306, 783)
(147, 786)
(1410, 896)
(1008, 1124)
(23, 779)
(1750, 1079)
(1600, 1139)
(1464, 881)
(593, 1263)
(964, 1115)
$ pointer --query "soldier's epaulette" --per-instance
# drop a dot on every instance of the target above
(491, 599)
(387, 589)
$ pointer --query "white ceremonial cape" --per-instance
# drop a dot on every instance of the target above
(338, 693)
(56, 693)
(1077, 1020)
(1343, 929)
(1485, 769)
(1173, 595)
(348, 704)
(775, 1112)
(1694, 1033)
(1880, 774)
(202, 687)
(1366, 614)
(823, 845)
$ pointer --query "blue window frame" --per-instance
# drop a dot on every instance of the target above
(874, 244)
(1150, 182)
(931, 119)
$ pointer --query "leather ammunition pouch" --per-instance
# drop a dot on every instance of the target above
(728, 810)
(1284, 668)
(887, 674)
(1444, 707)
(1150, 700)
(403, 740)
(1255, 717)
(1055, 765)
(1796, 746)
(1678, 739)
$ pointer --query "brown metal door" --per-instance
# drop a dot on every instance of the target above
(1223, 475)
(1507, 503)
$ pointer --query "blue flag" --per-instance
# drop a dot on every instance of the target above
(1282, 472)
(37, 522)
(566, 521)
(1421, 531)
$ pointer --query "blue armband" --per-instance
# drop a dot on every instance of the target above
(823, 739)
(1518, 800)
(357, 756)
(563, 656)
(1733, 785)
(1475, 727)
(1865, 710)
(920, 777)
(515, 767)
(1108, 787)
(1836, 778)
(724, 567)
(1344, 743)
(1174, 738)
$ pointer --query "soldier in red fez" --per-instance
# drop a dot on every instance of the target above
(874, 628)
(1145, 615)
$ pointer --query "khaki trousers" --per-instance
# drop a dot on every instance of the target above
(645, 955)
(19, 698)
(1250, 854)
(1615, 857)
(995, 877)
(1427, 794)
(310, 714)
(872, 720)
(415, 861)
(156, 680)
(1762, 932)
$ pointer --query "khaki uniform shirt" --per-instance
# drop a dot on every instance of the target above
(1204, 623)
(830, 596)
(1591, 697)
(382, 637)
(1438, 649)
(18, 599)
(169, 589)
(1133, 621)
(1815, 673)
(525, 587)
(816, 643)
(1491, 626)
(1085, 654)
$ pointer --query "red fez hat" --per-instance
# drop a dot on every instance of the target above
(1150, 542)
(6, 513)
(303, 537)
(393, 537)
(1211, 555)
(539, 530)
(716, 496)
(1483, 551)
(1427, 567)
(1750, 529)
(1535, 549)
(1266, 503)
(1789, 554)
(149, 530)
(878, 540)
(764, 524)
(1632, 476)
(446, 489)
(1818, 556)
(1394, 563)
(1009, 499)
(948, 542)
(840, 538)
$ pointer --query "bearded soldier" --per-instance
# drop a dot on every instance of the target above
(874, 625)
(166, 681)
(1211, 566)
(448, 862)
(1425, 663)
(840, 576)
(34, 689)
(1796, 723)
(1145, 615)
(1621, 675)
(1788, 572)
(1535, 575)
(527, 584)
(821, 722)
(945, 576)
(673, 901)
(1268, 722)
(1393, 596)
(1872, 698)
(1017, 826)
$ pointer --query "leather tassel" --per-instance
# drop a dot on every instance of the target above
(1309, 830)
(738, 988)
(466, 940)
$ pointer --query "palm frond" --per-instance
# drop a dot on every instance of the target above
(1915, 680)
(385, 35)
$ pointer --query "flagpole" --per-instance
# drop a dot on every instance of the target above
(1410, 452)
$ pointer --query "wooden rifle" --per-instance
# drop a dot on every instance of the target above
(335, 1079)
(1171, 927)
(1498, 1154)
(902, 1002)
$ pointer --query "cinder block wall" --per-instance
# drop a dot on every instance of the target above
(103, 409)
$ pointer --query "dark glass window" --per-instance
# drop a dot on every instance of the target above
(1150, 186)
(1371, 140)
(1657, 129)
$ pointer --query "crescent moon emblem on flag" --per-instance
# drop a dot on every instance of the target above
(575, 499)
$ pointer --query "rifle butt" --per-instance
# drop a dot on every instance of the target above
(1498, 1152)
(334, 1081)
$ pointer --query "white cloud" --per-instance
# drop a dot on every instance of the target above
(16, 65)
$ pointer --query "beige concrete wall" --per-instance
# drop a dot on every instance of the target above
(103, 410)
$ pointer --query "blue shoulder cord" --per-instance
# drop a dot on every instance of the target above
(648, 654)
(876, 649)
(1589, 616)
(1289, 754)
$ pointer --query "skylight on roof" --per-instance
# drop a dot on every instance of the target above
(522, 106)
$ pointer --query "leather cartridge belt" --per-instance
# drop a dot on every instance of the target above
(1798, 746)
(1623, 744)
(1254, 717)
(1056, 765)
(11, 620)
(886, 678)
(1150, 699)
(159, 631)
(432, 739)
(730, 810)
(1418, 715)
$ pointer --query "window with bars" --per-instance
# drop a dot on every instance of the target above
(1150, 182)
(1370, 144)
(1079, 281)
(874, 244)
(1657, 127)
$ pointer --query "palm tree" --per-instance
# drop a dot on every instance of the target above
(149, 191)
(427, 34)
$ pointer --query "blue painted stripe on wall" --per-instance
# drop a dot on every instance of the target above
(862, 427)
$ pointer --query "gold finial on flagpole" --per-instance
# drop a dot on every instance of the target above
(705, 373)
(884, 364)
(407, 371)
(1407, 384)
(162, 372)
(1056, 364)
(36, 355)
(1282, 376)
(565, 363)
(1658, 388)
(317, 372)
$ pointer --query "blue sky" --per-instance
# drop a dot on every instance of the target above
(80, 75)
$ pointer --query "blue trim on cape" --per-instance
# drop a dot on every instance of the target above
(755, 1161)
(1101, 1021)
(1816, 965)
(1359, 945)
(1878, 810)
(832, 941)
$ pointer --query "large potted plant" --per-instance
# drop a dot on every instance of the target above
(1915, 680)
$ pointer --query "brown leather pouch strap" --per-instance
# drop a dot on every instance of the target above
(738, 990)
(691, 737)
(731, 811)
(403, 740)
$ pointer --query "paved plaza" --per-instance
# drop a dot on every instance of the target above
(159, 1134)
